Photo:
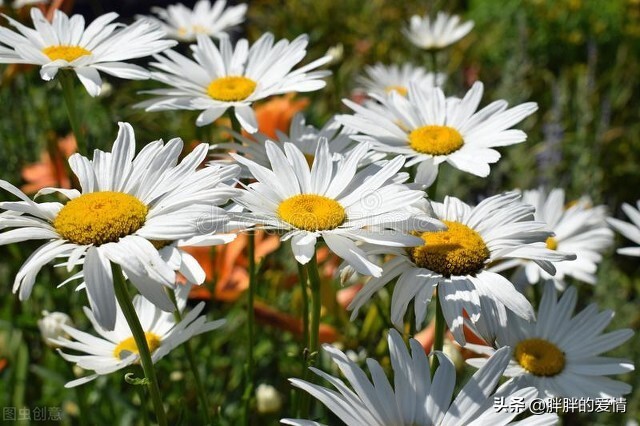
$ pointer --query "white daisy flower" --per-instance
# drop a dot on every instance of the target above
(560, 353)
(233, 78)
(579, 228)
(212, 20)
(429, 129)
(66, 43)
(437, 34)
(456, 261)
(414, 399)
(305, 136)
(127, 209)
(331, 200)
(629, 230)
(17, 4)
(382, 79)
(117, 349)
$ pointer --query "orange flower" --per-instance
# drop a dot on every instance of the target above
(227, 265)
(346, 295)
(426, 337)
(3, 363)
(270, 316)
(276, 114)
(50, 172)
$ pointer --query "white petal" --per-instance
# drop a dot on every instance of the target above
(99, 280)
(90, 79)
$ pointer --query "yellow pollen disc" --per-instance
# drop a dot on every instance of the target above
(540, 357)
(199, 29)
(459, 250)
(552, 243)
(312, 212)
(400, 89)
(67, 53)
(435, 140)
(160, 244)
(231, 89)
(128, 346)
(100, 217)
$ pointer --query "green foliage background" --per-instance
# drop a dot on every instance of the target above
(579, 60)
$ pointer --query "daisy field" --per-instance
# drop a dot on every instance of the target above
(237, 212)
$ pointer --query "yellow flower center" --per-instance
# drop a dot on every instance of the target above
(435, 140)
(195, 29)
(400, 89)
(459, 250)
(540, 357)
(67, 53)
(128, 346)
(160, 244)
(199, 29)
(231, 89)
(552, 243)
(100, 217)
(312, 212)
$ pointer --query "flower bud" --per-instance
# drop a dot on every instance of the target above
(51, 326)
(336, 52)
(268, 399)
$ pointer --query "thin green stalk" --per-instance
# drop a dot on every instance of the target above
(314, 334)
(537, 295)
(433, 54)
(249, 367)
(438, 341)
(202, 395)
(302, 273)
(383, 313)
(145, 412)
(432, 191)
(412, 321)
(303, 397)
(235, 124)
(80, 397)
(21, 378)
(314, 280)
(124, 300)
(67, 82)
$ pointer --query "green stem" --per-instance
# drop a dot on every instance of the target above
(438, 341)
(433, 54)
(249, 367)
(314, 279)
(412, 321)
(124, 300)
(432, 191)
(537, 294)
(302, 273)
(67, 82)
(235, 124)
(303, 397)
(81, 398)
(202, 395)
(250, 325)
(145, 411)
(21, 378)
(314, 336)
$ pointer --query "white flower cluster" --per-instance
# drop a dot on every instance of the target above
(358, 185)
